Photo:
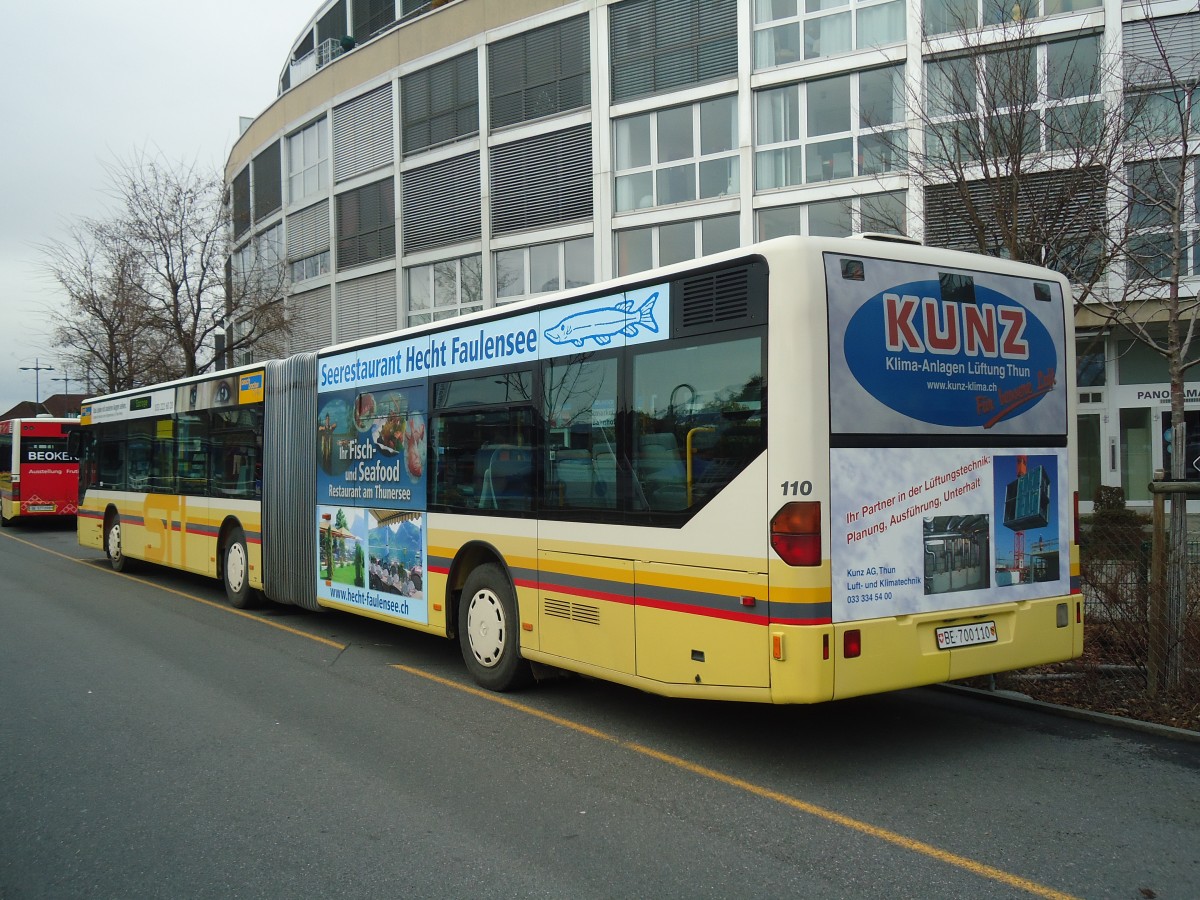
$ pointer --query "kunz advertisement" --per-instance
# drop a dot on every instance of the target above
(950, 359)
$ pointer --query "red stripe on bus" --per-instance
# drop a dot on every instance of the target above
(584, 592)
(702, 611)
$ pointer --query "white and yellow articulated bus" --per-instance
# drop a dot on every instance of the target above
(595, 480)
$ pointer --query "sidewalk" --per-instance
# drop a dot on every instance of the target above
(1013, 698)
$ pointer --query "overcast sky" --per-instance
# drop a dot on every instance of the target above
(90, 84)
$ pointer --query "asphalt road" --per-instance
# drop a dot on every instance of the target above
(156, 743)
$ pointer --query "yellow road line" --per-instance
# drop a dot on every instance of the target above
(218, 606)
(953, 859)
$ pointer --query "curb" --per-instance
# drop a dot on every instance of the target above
(1013, 698)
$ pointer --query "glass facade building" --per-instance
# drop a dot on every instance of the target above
(427, 159)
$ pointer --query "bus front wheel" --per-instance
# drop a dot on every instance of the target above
(114, 546)
(488, 631)
(236, 571)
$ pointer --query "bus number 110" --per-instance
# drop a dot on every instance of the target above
(797, 488)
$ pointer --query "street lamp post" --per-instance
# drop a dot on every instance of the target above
(66, 380)
(37, 369)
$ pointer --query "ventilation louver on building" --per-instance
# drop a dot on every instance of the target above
(366, 306)
(1064, 202)
(442, 203)
(362, 134)
(541, 181)
(1158, 51)
(308, 231)
(311, 324)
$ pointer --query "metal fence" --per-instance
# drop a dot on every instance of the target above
(1141, 654)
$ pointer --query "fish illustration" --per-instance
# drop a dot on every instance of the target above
(600, 325)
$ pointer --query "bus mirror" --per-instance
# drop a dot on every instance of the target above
(74, 442)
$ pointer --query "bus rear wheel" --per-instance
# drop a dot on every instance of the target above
(488, 631)
(236, 572)
(114, 547)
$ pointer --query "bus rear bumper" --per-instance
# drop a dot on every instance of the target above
(903, 652)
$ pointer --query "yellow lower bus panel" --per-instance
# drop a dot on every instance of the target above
(173, 530)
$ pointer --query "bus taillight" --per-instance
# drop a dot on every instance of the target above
(852, 644)
(796, 533)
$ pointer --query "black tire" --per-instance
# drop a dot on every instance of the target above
(114, 546)
(235, 571)
(488, 631)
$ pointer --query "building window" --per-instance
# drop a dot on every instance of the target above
(1021, 101)
(540, 73)
(268, 183)
(786, 31)
(372, 16)
(1090, 361)
(445, 289)
(664, 45)
(311, 266)
(308, 161)
(639, 249)
(366, 225)
(1158, 116)
(332, 25)
(882, 213)
(947, 16)
(256, 268)
(538, 269)
(676, 155)
(1163, 192)
(240, 200)
(440, 104)
(830, 128)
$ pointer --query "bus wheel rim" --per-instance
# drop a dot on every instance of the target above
(485, 628)
(235, 566)
(114, 541)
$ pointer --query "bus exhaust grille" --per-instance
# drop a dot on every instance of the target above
(720, 299)
(589, 615)
(575, 612)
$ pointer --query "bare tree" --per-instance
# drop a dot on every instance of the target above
(175, 222)
(1050, 152)
(255, 316)
(1014, 148)
(153, 292)
(101, 330)
(1154, 194)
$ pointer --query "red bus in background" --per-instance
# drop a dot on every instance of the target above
(38, 476)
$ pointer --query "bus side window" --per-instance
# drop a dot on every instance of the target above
(235, 455)
(699, 419)
(111, 464)
(482, 433)
(192, 447)
(579, 401)
(6, 448)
